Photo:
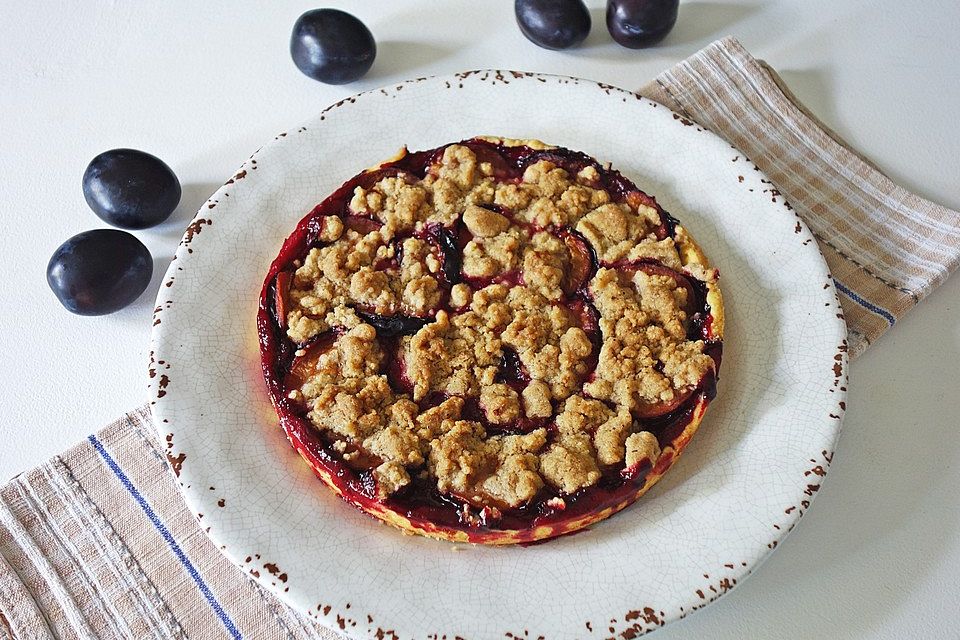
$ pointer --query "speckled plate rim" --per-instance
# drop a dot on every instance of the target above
(177, 409)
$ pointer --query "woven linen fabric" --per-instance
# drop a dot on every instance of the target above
(98, 542)
(887, 248)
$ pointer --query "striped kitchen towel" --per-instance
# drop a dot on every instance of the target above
(886, 247)
(98, 543)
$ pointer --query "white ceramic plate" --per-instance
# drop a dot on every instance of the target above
(745, 480)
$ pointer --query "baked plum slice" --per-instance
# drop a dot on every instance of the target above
(281, 293)
(588, 319)
(511, 370)
(662, 408)
(485, 153)
(446, 243)
(573, 162)
(695, 300)
(583, 261)
(361, 224)
(654, 268)
(393, 326)
(306, 357)
(637, 199)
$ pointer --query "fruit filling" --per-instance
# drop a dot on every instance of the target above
(487, 336)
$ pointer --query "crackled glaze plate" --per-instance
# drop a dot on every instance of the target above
(743, 483)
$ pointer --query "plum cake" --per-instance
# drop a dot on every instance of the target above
(494, 341)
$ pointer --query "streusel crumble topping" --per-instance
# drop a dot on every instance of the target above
(502, 338)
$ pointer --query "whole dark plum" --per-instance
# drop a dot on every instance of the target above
(332, 46)
(130, 189)
(99, 272)
(640, 23)
(553, 24)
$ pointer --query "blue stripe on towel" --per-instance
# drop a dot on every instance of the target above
(866, 305)
(162, 529)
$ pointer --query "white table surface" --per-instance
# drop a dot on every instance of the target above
(202, 85)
